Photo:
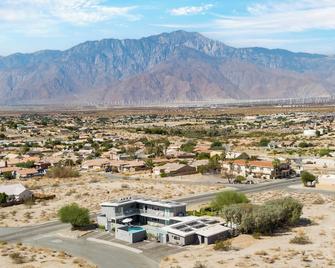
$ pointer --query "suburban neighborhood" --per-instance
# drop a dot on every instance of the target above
(161, 179)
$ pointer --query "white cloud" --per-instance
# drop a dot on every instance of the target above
(287, 16)
(76, 12)
(190, 10)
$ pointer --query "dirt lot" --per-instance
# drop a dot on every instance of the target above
(89, 191)
(275, 251)
(18, 255)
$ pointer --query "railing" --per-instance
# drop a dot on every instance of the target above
(127, 212)
(154, 213)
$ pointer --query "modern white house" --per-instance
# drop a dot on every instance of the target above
(166, 220)
(16, 192)
(141, 211)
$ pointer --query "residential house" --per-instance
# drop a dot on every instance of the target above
(174, 169)
(256, 169)
(141, 211)
(26, 173)
(96, 164)
(16, 192)
(133, 166)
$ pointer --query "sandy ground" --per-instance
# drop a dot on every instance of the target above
(18, 255)
(275, 251)
(89, 191)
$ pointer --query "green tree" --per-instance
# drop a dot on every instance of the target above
(240, 178)
(227, 198)
(307, 177)
(75, 215)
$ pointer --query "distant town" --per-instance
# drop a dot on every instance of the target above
(174, 187)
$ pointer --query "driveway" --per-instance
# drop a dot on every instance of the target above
(102, 255)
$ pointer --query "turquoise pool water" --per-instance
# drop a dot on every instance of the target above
(134, 229)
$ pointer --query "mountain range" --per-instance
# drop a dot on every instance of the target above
(167, 68)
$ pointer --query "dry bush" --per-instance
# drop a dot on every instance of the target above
(223, 245)
(318, 201)
(62, 172)
(17, 258)
(301, 239)
(261, 253)
(199, 264)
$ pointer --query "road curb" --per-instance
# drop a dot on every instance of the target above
(113, 244)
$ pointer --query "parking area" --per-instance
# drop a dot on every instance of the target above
(152, 249)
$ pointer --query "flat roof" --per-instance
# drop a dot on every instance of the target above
(161, 203)
(212, 230)
(204, 226)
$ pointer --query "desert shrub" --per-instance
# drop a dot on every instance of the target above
(223, 245)
(264, 142)
(307, 177)
(7, 175)
(77, 216)
(261, 253)
(243, 156)
(234, 213)
(304, 144)
(300, 239)
(216, 145)
(62, 172)
(240, 179)
(324, 152)
(29, 202)
(256, 235)
(28, 164)
(203, 155)
(188, 146)
(124, 186)
(227, 198)
(318, 201)
(17, 258)
(264, 219)
(3, 198)
(290, 210)
(199, 264)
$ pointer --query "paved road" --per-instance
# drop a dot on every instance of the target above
(19, 234)
(253, 188)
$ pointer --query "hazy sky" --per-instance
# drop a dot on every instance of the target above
(298, 25)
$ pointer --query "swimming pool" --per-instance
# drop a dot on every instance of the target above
(134, 229)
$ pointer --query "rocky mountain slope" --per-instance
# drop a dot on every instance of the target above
(166, 68)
